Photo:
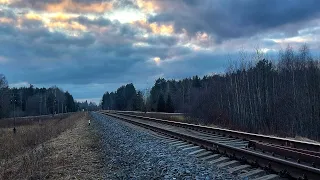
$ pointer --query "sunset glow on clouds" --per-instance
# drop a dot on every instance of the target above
(73, 43)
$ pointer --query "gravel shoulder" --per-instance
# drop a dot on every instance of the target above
(132, 153)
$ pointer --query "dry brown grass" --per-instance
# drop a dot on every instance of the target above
(30, 135)
(22, 121)
(39, 151)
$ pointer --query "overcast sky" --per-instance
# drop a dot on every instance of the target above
(91, 46)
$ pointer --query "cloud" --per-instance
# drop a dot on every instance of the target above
(71, 6)
(233, 19)
(19, 84)
(100, 21)
(159, 40)
(79, 6)
(3, 60)
(56, 57)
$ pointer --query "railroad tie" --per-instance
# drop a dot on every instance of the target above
(172, 140)
(197, 152)
(168, 140)
(268, 177)
(228, 164)
(252, 174)
(185, 146)
(179, 143)
(175, 142)
(191, 148)
(237, 169)
(159, 137)
(207, 153)
(219, 160)
(211, 157)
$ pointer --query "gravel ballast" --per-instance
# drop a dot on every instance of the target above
(132, 153)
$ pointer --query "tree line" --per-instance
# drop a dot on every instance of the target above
(33, 101)
(129, 99)
(124, 98)
(279, 97)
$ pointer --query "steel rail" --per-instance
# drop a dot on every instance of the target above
(298, 150)
(287, 153)
(160, 113)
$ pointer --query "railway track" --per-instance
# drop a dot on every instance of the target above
(284, 157)
(237, 134)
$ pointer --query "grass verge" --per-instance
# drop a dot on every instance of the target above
(58, 149)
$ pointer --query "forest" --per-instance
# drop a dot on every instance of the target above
(33, 101)
(125, 98)
(280, 97)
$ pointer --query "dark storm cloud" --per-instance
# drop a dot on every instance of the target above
(7, 30)
(233, 19)
(34, 4)
(125, 4)
(7, 13)
(200, 63)
(161, 40)
(56, 58)
(31, 23)
(128, 31)
(100, 21)
(56, 39)
(115, 69)
(37, 42)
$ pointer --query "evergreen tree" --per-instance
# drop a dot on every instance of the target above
(130, 97)
(106, 101)
(70, 102)
(169, 105)
(120, 99)
(161, 104)
(159, 87)
(51, 103)
(112, 100)
(139, 102)
(196, 82)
